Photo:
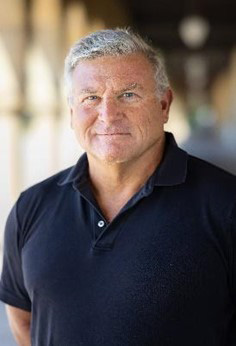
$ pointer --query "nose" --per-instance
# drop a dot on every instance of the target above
(108, 110)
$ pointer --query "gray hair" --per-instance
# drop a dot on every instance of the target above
(115, 42)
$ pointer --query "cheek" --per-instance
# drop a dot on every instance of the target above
(149, 115)
(82, 119)
(145, 120)
(148, 126)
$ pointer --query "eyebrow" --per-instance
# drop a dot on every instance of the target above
(88, 91)
(131, 87)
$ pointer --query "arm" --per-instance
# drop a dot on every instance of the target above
(12, 286)
(19, 321)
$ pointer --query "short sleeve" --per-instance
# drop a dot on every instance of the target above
(12, 288)
(233, 238)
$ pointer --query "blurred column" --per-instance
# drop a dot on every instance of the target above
(215, 141)
(83, 17)
(43, 71)
(228, 131)
(12, 46)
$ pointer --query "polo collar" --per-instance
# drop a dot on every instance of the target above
(171, 171)
(78, 172)
(173, 167)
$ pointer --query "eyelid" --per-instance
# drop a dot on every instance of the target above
(90, 98)
(130, 93)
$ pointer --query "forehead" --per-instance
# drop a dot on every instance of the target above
(133, 68)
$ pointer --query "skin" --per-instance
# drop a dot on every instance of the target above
(119, 121)
(19, 321)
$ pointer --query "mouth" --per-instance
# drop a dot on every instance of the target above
(113, 134)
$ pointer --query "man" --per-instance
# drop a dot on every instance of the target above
(135, 244)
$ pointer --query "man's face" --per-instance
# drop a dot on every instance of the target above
(115, 111)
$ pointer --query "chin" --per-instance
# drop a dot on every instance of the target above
(110, 154)
(112, 158)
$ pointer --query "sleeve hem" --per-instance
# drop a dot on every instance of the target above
(7, 298)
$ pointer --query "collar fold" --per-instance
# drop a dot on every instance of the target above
(173, 168)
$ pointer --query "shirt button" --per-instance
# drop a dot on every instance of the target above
(101, 223)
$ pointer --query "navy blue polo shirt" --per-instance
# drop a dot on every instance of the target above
(163, 272)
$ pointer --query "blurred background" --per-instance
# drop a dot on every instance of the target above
(196, 37)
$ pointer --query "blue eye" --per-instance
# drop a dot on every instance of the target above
(92, 97)
(128, 94)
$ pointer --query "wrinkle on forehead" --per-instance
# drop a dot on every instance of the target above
(118, 74)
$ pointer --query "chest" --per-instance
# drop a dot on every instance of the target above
(147, 261)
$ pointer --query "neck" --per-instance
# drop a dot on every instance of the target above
(114, 184)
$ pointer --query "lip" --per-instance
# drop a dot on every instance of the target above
(113, 134)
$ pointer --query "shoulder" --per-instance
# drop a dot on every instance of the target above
(210, 182)
(42, 195)
(49, 184)
(204, 171)
(54, 183)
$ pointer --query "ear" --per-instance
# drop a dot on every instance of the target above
(165, 102)
(69, 103)
(71, 118)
